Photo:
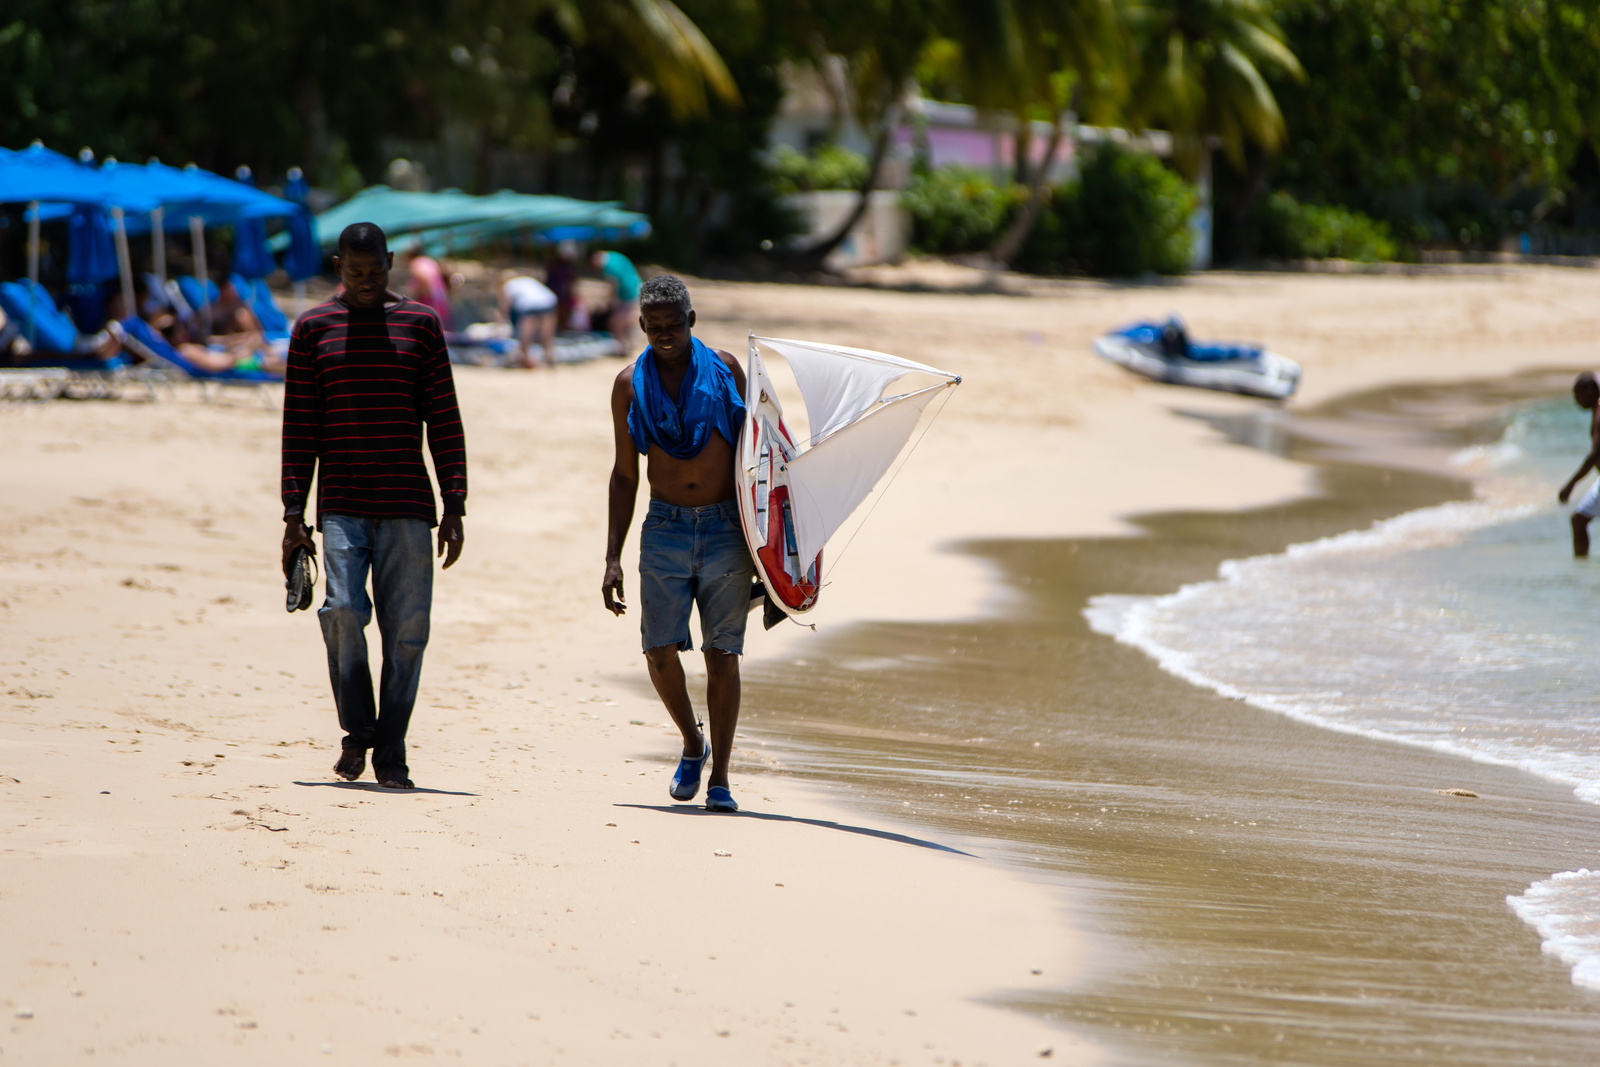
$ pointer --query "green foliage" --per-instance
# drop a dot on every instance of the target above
(956, 210)
(1313, 231)
(1202, 69)
(1441, 118)
(1125, 215)
(721, 199)
(281, 82)
(829, 167)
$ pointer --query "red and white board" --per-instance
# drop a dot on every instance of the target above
(766, 448)
(791, 500)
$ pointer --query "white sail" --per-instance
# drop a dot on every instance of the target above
(856, 432)
(841, 384)
(828, 481)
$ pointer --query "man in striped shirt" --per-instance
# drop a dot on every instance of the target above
(367, 371)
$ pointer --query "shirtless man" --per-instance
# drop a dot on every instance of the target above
(1586, 391)
(680, 404)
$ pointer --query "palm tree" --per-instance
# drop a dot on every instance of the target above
(483, 69)
(656, 41)
(1031, 57)
(1201, 71)
(877, 42)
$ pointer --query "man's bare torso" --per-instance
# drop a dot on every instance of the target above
(706, 478)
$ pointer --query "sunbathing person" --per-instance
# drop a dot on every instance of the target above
(238, 351)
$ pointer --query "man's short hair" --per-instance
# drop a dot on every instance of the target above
(665, 290)
(363, 237)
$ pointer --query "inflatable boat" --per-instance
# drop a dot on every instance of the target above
(1164, 352)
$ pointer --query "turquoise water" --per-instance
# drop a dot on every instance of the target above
(1466, 627)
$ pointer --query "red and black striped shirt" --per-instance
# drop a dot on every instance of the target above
(360, 385)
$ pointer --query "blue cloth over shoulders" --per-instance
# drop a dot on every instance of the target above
(707, 401)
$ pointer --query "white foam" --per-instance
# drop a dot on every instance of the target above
(1328, 633)
(1132, 620)
(1565, 910)
(1502, 453)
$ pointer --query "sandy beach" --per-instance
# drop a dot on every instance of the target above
(184, 881)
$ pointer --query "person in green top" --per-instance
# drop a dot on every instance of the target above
(622, 320)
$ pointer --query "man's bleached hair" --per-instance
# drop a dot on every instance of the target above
(665, 290)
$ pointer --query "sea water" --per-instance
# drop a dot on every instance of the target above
(1466, 627)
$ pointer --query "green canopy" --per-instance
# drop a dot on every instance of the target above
(455, 221)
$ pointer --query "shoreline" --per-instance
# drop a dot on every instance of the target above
(920, 762)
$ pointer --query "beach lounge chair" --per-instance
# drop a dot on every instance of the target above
(62, 362)
(274, 323)
(140, 337)
(193, 296)
(34, 311)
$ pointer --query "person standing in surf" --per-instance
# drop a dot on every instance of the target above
(367, 370)
(681, 406)
(1586, 391)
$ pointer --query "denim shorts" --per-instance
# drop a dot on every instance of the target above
(694, 556)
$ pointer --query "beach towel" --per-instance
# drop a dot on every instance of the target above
(708, 400)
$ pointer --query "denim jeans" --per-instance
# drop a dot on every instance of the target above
(694, 557)
(399, 555)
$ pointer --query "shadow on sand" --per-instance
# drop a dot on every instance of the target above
(374, 787)
(865, 831)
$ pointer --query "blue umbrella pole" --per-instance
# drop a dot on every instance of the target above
(33, 273)
(197, 240)
(124, 262)
(158, 244)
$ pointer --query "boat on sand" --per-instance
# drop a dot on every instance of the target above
(1164, 352)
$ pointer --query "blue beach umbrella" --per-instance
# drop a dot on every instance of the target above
(38, 174)
(297, 190)
(303, 259)
(91, 251)
(251, 258)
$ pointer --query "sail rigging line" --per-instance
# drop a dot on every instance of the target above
(884, 489)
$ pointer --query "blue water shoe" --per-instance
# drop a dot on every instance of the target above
(719, 799)
(686, 781)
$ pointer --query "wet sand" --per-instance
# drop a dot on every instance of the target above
(1258, 890)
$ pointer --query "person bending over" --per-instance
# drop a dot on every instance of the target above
(530, 307)
(1586, 391)
(620, 274)
(680, 406)
(367, 371)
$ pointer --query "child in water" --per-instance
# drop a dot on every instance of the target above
(1586, 391)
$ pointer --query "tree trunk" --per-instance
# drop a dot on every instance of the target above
(811, 258)
(1022, 147)
(1011, 242)
(1244, 204)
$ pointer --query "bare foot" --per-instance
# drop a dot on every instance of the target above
(396, 782)
(352, 761)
